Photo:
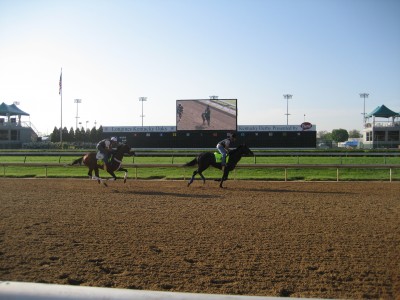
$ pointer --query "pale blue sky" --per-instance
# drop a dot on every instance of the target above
(323, 52)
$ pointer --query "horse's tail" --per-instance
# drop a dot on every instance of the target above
(191, 163)
(77, 161)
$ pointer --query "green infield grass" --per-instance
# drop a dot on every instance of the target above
(62, 168)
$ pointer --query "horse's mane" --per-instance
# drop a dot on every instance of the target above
(238, 148)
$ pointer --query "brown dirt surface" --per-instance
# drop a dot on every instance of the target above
(298, 239)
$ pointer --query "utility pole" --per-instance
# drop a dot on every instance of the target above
(364, 95)
(142, 99)
(287, 97)
(77, 101)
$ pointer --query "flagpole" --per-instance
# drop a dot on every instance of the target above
(61, 106)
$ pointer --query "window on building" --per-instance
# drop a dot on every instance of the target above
(394, 136)
(3, 135)
(14, 135)
(379, 136)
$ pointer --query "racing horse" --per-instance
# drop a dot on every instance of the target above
(206, 159)
(206, 115)
(115, 163)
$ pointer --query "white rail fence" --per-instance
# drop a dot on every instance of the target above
(284, 167)
(11, 290)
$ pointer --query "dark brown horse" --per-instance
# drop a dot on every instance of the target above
(206, 159)
(114, 165)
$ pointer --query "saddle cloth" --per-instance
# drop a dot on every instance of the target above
(218, 157)
(99, 156)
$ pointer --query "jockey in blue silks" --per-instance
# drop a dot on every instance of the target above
(223, 148)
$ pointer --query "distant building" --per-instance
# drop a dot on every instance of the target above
(13, 131)
(255, 136)
(382, 129)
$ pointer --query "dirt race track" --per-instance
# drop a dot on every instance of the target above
(299, 239)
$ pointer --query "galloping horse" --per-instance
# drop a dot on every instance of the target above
(206, 159)
(92, 163)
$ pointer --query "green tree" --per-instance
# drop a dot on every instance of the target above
(71, 135)
(99, 134)
(93, 135)
(78, 135)
(340, 135)
(55, 135)
(354, 133)
(324, 135)
(65, 135)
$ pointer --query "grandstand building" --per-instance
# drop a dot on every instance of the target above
(381, 129)
(13, 130)
(256, 136)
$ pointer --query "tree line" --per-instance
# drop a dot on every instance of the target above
(338, 135)
(81, 135)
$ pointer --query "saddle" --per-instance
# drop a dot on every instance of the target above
(100, 156)
(218, 157)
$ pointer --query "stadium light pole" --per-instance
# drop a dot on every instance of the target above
(142, 99)
(364, 95)
(77, 101)
(287, 97)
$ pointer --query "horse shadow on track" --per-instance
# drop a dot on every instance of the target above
(158, 193)
(272, 190)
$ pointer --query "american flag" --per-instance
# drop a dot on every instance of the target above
(60, 84)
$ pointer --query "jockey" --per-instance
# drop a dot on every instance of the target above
(223, 148)
(105, 147)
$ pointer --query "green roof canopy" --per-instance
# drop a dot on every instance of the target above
(11, 110)
(382, 112)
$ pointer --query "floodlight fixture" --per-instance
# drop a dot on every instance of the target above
(287, 97)
(77, 101)
(142, 99)
(364, 95)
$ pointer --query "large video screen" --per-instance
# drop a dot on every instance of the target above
(206, 114)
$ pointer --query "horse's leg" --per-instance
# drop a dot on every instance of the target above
(202, 177)
(191, 179)
(199, 171)
(224, 178)
(96, 175)
(112, 174)
(126, 173)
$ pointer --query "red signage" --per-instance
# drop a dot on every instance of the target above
(306, 125)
